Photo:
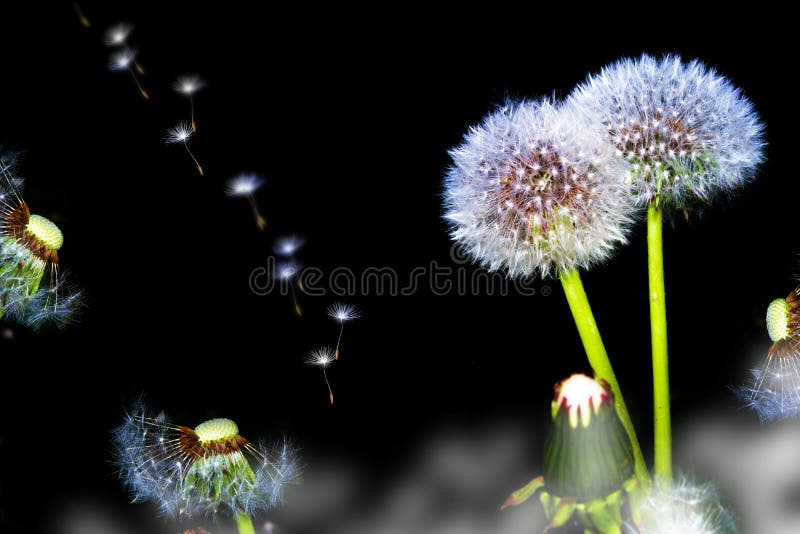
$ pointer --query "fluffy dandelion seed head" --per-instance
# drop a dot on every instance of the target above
(179, 134)
(288, 245)
(117, 34)
(581, 396)
(45, 231)
(778, 320)
(244, 185)
(343, 312)
(689, 133)
(188, 85)
(123, 59)
(532, 190)
(684, 508)
(216, 430)
(322, 356)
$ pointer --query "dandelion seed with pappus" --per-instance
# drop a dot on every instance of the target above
(245, 185)
(323, 357)
(533, 190)
(288, 272)
(287, 246)
(125, 60)
(118, 34)
(691, 136)
(206, 471)
(181, 134)
(774, 392)
(188, 86)
(33, 291)
(342, 312)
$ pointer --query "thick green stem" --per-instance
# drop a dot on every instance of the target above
(658, 339)
(598, 359)
(245, 524)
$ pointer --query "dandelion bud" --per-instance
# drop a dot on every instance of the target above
(588, 461)
(588, 454)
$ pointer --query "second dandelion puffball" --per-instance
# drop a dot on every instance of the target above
(533, 190)
(689, 133)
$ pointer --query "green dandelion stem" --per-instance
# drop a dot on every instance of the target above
(598, 359)
(245, 524)
(658, 338)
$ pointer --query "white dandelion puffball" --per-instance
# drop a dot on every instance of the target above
(689, 132)
(532, 189)
(684, 508)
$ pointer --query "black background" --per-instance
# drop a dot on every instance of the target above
(349, 115)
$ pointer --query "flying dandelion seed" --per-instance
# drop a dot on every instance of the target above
(342, 312)
(204, 471)
(29, 247)
(288, 272)
(245, 185)
(85, 22)
(118, 34)
(689, 133)
(323, 357)
(181, 134)
(188, 86)
(125, 60)
(774, 392)
(287, 246)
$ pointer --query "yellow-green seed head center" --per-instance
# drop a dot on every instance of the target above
(45, 231)
(216, 430)
(778, 319)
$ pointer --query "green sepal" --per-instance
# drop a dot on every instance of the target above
(524, 493)
(563, 511)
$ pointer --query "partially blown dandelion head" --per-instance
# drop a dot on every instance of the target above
(118, 34)
(343, 312)
(32, 290)
(244, 185)
(188, 85)
(774, 390)
(689, 133)
(531, 190)
(202, 471)
(179, 133)
(287, 246)
(684, 508)
(123, 59)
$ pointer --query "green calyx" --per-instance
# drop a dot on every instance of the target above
(45, 231)
(778, 320)
(216, 430)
